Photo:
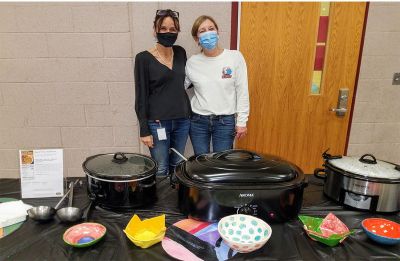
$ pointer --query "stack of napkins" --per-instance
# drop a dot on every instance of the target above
(13, 212)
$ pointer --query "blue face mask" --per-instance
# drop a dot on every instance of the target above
(208, 40)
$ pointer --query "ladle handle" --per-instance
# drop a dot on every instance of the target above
(180, 155)
(66, 194)
(62, 199)
(85, 216)
(71, 194)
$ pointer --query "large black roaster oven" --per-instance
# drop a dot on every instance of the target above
(121, 180)
(212, 186)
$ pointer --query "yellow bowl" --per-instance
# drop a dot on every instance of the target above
(147, 232)
(146, 238)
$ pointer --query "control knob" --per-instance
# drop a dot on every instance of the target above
(246, 210)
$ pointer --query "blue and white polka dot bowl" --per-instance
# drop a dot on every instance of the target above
(244, 233)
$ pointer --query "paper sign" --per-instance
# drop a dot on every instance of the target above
(41, 173)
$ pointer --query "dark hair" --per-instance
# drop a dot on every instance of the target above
(159, 19)
(199, 21)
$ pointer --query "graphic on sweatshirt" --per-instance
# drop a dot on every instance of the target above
(226, 72)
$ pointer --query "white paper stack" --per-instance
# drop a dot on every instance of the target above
(13, 212)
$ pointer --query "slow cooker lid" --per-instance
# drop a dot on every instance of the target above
(367, 166)
(239, 166)
(120, 165)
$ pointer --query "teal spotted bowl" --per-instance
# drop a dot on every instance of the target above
(244, 233)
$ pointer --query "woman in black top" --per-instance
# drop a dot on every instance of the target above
(162, 105)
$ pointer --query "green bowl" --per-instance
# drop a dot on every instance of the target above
(331, 241)
(84, 235)
(311, 226)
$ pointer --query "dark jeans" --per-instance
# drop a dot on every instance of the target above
(218, 129)
(177, 133)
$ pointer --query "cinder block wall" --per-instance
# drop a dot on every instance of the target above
(66, 75)
(376, 119)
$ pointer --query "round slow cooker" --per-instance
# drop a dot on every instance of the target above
(363, 183)
(121, 180)
(212, 186)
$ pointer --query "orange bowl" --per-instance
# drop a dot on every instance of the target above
(382, 230)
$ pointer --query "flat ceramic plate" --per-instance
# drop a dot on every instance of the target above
(85, 234)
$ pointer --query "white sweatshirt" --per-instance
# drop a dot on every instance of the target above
(220, 85)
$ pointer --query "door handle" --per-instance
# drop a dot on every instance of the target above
(342, 102)
(339, 110)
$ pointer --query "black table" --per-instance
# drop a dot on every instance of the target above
(36, 241)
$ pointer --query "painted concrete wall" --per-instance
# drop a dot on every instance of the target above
(376, 120)
(66, 75)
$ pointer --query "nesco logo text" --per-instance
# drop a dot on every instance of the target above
(246, 195)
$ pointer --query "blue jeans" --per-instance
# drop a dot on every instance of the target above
(218, 129)
(177, 133)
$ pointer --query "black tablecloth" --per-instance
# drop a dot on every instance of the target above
(36, 241)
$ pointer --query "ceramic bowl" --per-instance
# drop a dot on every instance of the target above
(145, 243)
(84, 235)
(244, 233)
(312, 227)
(382, 230)
(145, 233)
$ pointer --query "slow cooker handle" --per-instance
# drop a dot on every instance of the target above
(319, 176)
(368, 161)
(119, 158)
(92, 196)
(224, 154)
(328, 156)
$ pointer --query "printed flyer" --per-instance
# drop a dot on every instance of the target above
(41, 173)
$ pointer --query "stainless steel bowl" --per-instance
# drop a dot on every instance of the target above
(69, 214)
(42, 213)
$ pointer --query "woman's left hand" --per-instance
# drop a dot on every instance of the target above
(240, 132)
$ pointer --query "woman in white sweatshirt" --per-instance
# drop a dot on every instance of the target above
(220, 103)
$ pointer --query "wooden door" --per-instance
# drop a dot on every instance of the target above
(278, 41)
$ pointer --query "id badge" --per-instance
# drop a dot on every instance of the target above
(162, 135)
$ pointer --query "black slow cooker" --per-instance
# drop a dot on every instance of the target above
(121, 180)
(212, 186)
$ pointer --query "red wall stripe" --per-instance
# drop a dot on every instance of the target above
(234, 25)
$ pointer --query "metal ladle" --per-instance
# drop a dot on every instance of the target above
(70, 213)
(45, 213)
(172, 177)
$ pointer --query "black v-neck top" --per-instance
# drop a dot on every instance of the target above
(160, 91)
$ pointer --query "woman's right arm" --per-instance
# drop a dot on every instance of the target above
(142, 97)
(188, 83)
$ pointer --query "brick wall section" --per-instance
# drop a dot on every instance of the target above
(376, 121)
(66, 75)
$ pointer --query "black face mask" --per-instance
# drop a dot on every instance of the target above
(167, 39)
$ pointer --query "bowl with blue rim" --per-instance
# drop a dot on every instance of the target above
(382, 231)
(244, 233)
